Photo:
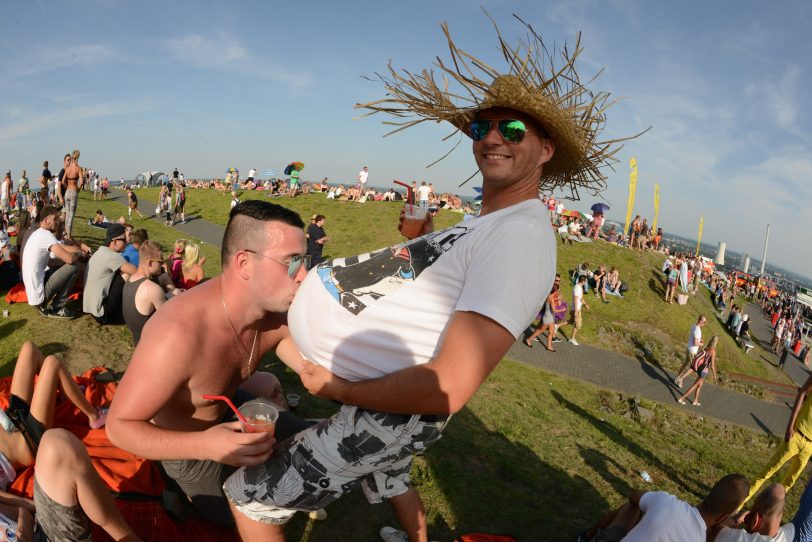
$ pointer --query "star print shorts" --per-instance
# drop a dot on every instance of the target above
(320, 464)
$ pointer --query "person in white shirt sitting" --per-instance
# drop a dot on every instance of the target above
(657, 516)
(762, 523)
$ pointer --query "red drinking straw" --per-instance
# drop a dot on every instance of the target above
(408, 195)
(228, 402)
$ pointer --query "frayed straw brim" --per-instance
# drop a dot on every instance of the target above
(573, 115)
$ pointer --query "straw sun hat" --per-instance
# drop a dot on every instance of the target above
(554, 96)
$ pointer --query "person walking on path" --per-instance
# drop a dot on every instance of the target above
(578, 301)
(132, 203)
(547, 321)
(701, 363)
(691, 350)
(796, 446)
(73, 182)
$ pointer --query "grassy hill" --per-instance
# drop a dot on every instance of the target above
(533, 454)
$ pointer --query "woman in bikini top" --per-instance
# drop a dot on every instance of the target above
(73, 173)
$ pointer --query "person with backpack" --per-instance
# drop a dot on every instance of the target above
(704, 360)
(180, 204)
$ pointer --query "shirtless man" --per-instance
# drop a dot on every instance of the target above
(210, 340)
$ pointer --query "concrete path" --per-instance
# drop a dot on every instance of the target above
(206, 231)
(604, 368)
(761, 331)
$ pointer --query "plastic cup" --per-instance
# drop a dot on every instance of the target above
(293, 400)
(260, 418)
(414, 218)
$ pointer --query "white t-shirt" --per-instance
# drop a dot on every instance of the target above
(694, 338)
(577, 296)
(252, 173)
(786, 533)
(667, 519)
(362, 176)
(35, 263)
(559, 208)
(388, 310)
(423, 193)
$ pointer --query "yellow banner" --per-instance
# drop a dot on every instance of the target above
(656, 208)
(699, 240)
(632, 190)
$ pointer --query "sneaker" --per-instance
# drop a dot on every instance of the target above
(573, 342)
(63, 312)
(557, 340)
(318, 515)
(102, 421)
(390, 534)
(678, 383)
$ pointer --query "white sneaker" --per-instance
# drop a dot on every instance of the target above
(390, 534)
(573, 342)
(318, 515)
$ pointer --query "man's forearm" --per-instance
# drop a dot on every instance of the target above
(149, 441)
(417, 390)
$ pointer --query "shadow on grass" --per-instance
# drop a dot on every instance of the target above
(761, 424)
(653, 368)
(53, 349)
(12, 326)
(476, 468)
(605, 466)
(687, 484)
(656, 287)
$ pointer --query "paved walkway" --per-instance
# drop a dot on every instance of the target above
(609, 369)
(761, 331)
(206, 231)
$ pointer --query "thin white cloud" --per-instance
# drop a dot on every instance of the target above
(779, 97)
(205, 52)
(224, 52)
(39, 60)
(33, 125)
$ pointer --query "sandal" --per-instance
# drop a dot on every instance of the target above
(528, 344)
(550, 349)
(681, 401)
(696, 403)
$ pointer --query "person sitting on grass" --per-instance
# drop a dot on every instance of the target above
(137, 238)
(599, 282)
(191, 267)
(704, 360)
(31, 406)
(761, 523)
(99, 220)
(141, 296)
(612, 235)
(614, 286)
(564, 232)
(659, 516)
(106, 272)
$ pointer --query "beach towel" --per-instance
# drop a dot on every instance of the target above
(17, 293)
(135, 482)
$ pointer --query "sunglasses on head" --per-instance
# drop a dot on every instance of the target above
(293, 265)
(513, 131)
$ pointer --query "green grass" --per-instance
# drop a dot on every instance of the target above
(533, 454)
(643, 321)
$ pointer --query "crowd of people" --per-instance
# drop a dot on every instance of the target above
(411, 334)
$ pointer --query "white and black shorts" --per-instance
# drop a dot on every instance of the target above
(320, 464)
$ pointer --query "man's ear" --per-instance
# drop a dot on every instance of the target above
(753, 521)
(547, 150)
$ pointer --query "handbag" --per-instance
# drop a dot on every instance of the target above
(700, 362)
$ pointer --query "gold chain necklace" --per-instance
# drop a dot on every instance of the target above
(234, 330)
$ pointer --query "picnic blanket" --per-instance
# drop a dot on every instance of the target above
(135, 482)
(17, 293)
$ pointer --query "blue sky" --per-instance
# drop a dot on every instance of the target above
(205, 86)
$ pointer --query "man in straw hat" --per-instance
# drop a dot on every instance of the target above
(415, 329)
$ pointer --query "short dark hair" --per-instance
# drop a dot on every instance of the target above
(242, 228)
(139, 236)
(726, 495)
(319, 217)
